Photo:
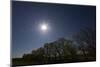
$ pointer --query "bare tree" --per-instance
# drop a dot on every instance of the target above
(86, 39)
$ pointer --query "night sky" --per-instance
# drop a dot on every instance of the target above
(62, 20)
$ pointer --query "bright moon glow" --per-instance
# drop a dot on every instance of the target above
(44, 27)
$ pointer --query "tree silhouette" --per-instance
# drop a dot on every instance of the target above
(81, 48)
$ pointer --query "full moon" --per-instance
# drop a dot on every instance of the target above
(44, 27)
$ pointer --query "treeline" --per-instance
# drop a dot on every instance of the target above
(82, 48)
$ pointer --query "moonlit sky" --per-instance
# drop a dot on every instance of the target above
(61, 20)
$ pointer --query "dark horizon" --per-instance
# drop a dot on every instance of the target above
(63, 21)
